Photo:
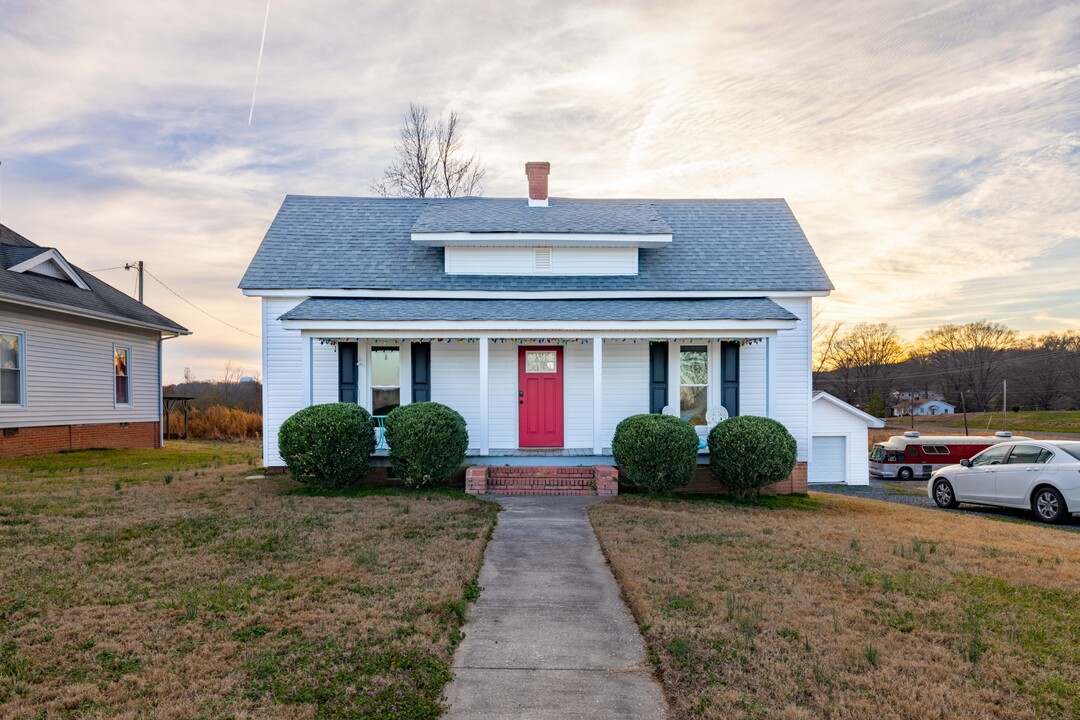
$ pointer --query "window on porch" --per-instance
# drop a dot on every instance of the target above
(385, 379)
(693, 383)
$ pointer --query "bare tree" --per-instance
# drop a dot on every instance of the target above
(970, 359)
(430, 160)
(864, 361)
(189, 377)
(233, 373)
(825, 337)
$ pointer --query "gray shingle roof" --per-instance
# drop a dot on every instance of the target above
(563, 215)
(101, 299)
(537, 310)
(365, 243)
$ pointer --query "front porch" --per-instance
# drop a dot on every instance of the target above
(544, 401)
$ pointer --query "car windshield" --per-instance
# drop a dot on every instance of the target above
(878, 453)
(1072, 448)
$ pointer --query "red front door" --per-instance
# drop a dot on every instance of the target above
(540, 396)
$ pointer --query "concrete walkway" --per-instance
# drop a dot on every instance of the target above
(550, 636)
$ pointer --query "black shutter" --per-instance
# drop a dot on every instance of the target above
(729, 377)
(658, 394)
(348, 385)
(421, 372)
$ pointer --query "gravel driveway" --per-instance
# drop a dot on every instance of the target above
(913, 492)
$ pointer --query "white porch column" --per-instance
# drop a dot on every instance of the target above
(673, 375)
(598, 395)
(482, 431)
(306, 369)
(770, 377)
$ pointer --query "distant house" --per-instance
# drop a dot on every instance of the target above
(80, 361)
(543, 321)
(923, 407)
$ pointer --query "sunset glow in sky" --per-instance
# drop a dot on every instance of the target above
(931, 150)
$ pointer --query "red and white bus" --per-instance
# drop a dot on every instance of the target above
(911, 455)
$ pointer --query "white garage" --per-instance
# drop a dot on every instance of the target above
(839, 453)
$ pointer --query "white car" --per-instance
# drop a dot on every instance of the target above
(1041, 475)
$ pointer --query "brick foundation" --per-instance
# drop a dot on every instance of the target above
(703, 483)
(19, 442)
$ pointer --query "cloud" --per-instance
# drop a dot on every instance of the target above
(930, 150)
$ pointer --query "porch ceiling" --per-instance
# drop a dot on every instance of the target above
(378, 310)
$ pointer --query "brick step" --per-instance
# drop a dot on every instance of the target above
(539, 472)
(541, 480)
(534, 490)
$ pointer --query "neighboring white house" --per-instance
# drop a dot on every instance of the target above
(840, 441)
(544, 322)
(923, 407)
(80, 361)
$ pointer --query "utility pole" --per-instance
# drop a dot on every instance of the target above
(1005, 404)
(963, 404)
(137, 265)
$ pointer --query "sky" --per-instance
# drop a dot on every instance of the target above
(930, 150)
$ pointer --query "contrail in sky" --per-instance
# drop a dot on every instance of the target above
(258, 67)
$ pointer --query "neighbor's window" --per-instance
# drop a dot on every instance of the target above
(121, 356)
(11, 362)
(693, 383)
(385, 379)
(540, 361)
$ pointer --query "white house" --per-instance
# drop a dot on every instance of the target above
(80, 361)
(923, 407)
(544, 322)
(840, 441)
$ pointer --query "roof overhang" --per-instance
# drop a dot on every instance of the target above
(869, 419)
(68, 310)
(523, 239)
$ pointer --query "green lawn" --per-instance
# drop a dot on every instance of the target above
(165, 584)
(848, 609)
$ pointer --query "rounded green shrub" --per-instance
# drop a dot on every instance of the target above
(328, 445)
(746, 453)
(427, 443)
(657, 452)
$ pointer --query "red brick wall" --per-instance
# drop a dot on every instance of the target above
(54, 438)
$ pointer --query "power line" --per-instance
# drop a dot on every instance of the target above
(118, 267)
(214, 317)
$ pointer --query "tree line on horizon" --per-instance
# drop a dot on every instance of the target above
(872, 367)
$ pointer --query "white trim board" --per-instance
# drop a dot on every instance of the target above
(513, 328)
(533, 239)
(527, 295)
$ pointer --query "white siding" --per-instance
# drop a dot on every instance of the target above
(324, 373)
(792, 375)
(752, 379)
(455, 381)
(626, 383)
(283, 380)
(502, 396)
(68, 362)
(520, 261)
(831, 421)
(578, 395)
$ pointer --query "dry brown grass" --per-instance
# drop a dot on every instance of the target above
(846, 608)
(213, 596)
(217, 422)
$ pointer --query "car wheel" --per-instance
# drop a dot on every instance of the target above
(904, 473)
(944, 495)
(1048, 505)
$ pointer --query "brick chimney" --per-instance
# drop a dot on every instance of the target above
(538, 172)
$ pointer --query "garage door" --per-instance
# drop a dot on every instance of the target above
(830, 459)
